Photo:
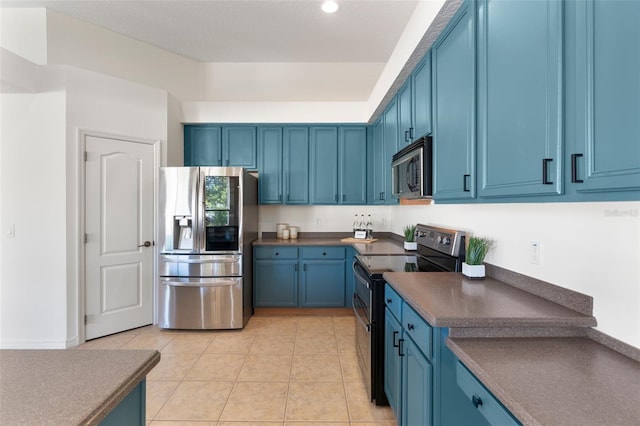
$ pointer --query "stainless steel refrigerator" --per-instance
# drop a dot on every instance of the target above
(208, 220)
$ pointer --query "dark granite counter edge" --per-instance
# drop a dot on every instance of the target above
(512, 405)
(102, 410)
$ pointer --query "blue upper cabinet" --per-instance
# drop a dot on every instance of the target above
(405, 112)
(604, 103)
(323, 142)
(352, 141)
(414, 105)
(338, 164)
(283, 164)
(390, 147)
(454, 142)
(377, 170)
(520, 127)
(270, 154)
(239, 146)
(421, 98)
(213, 145)
(296, 165)
(202, 145)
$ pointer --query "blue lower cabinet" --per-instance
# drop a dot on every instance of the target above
(392, 362)
(481, 399)
(417, 386)
(322, 284)
(276, 283)
(309, 277)
(131, 411)
(424, 381)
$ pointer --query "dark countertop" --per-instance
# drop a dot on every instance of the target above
(381, 247)
(448, 299)
(68, 387)
(547, 381)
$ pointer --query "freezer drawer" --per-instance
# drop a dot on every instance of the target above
(185, 265)
(207, 303)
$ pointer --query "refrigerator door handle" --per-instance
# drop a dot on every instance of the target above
(215, 282)
(168, 259)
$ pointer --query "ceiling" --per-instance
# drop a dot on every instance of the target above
(249, 30)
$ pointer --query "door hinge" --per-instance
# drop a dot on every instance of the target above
(85, 156)
(86, 238)
(85, 320)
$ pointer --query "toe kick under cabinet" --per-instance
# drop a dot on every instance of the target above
(306, 277)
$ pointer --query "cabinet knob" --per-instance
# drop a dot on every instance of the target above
(389, 301)
(477, 402)
(276, 253)
(410, 327)
(324, 253)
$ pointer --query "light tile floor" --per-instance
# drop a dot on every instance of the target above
(276, 371)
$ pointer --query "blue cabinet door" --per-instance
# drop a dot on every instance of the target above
(377, 169)
(270, 154)
(239, 147)
(390, 144)
(324, 165)
(131, 410)
(605, 149)
(520, 128)
(296, 165)
(322, 284)
(405, 123)
(276, 283)
(421, 98)
(202, 145)
(416, 386)
(393, 363)
(454, 143)
(353, 164)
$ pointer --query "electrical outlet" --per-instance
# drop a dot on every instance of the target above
(535, 252)
(317, 221)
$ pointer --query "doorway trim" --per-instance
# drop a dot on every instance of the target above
(80, 302)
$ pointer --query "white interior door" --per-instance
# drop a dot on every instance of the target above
(119, 182)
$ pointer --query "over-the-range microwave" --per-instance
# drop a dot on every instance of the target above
(412, 170)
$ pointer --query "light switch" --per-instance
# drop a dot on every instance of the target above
(535, 253)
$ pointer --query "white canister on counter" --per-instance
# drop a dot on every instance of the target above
(279, 228)
(285, 234)
(293, 232)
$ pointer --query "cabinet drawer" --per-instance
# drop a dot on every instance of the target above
(276, 252)
(393, 301)
(482, 399)
(323, 252)
(417, 328)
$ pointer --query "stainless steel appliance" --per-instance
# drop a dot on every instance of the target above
(412, 170)
(439, 250)
(208, 220)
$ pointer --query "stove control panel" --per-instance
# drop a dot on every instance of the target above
(443, 240)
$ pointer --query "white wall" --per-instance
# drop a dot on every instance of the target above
(33, 310)
(24, 32)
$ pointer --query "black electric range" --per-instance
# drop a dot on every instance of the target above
(439, 250)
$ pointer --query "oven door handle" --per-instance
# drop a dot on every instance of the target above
(358, 317)
(359, 276)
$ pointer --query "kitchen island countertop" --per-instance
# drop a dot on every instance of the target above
(68, 387)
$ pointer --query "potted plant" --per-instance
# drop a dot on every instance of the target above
(410, 237)
(476, 251)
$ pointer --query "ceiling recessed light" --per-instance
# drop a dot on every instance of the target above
(329, 6)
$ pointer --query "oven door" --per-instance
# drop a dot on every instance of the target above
(362, 308)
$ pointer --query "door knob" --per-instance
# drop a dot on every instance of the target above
(145, 244)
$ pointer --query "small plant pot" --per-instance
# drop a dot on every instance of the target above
(475, 272)
(413, 245)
